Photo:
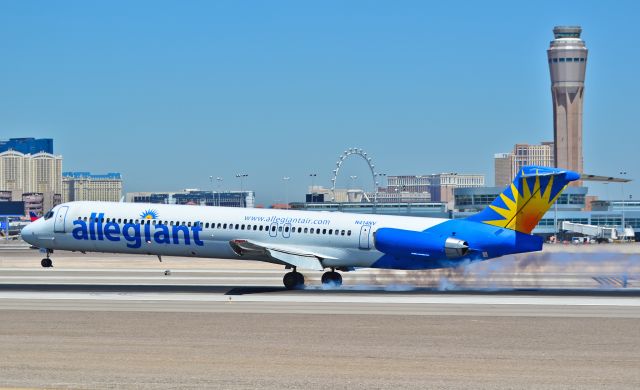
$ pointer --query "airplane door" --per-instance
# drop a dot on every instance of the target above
(287, 230)
(273, 229)
(61, 215)
(364, 237)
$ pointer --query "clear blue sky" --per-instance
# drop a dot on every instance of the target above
(170, 92)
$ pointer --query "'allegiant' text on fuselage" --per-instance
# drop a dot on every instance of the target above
(133, 233)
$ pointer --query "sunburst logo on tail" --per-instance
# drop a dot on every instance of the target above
(523, 204)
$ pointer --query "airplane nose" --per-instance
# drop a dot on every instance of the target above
(27, 233)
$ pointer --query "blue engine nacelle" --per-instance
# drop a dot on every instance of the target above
(408, 243)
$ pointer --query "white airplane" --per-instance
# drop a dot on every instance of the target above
(306, 239)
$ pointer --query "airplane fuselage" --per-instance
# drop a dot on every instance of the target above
(340, 239)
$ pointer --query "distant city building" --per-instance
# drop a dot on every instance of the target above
(78, 186)
(503, 166)
(507, 165)
(27, 145)
(196, 197)
(476, 199)
(319, 194)
(402, 189)
(567, 56)
(408, 183)
(40, 203)
(443, 184)
(28, 173)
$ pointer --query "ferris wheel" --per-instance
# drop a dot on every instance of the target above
(357, 152)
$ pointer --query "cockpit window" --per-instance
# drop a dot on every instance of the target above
(49, 214)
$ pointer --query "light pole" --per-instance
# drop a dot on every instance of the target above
(241, 176)
(212, 194)
(375, 193)
(622, 193)
(286, 190)
(353, 179)
(217, 195)
(313, 177)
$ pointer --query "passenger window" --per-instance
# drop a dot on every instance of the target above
(237, 226)
(305, 230)
(348, 232)
(242, 227)
(273, 228)
(324, 231)
(260, 227)
(330, 231)
(318, 231)
(311, 230)
(255, 227)
(299, 230)
(189, 224)
(279, 228)
(337, 232)
(555, 60)
(206, 225)
(224, 226)
(342, 233)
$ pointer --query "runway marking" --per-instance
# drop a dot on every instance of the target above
(310, 299)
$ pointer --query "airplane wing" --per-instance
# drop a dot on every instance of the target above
(281, 254)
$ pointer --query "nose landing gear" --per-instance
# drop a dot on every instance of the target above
(46, 262)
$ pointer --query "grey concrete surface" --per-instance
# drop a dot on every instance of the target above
(555, 321)
(95, 349)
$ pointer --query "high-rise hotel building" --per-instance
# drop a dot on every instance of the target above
(85, 186)
(567, 56)
(30, 173)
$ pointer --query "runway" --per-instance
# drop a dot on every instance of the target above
(106, 321)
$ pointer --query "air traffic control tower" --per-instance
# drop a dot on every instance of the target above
(567, 57)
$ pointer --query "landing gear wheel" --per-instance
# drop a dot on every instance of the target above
(46, 263)
(332, 279)
(293, 280)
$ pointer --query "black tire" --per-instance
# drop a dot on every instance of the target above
(332, 279)
(46, 263)
(290, 280)
(337, 279)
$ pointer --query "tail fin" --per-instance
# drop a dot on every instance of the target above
(33, 216)
(521, 206)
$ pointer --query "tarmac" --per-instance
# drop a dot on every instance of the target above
(564, 318)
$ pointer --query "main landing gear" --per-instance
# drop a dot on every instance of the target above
(331, 278)
(293, 280)
(46, 262)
